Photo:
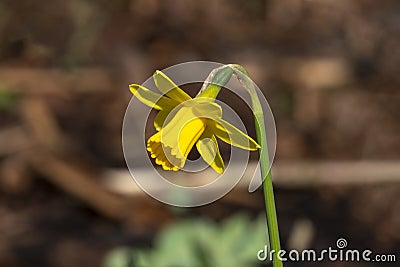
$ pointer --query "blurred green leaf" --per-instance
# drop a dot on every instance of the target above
(200, 243)
(121, 257)
(8, 99)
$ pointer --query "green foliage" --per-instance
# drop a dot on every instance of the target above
(199, 243)
(8, 99)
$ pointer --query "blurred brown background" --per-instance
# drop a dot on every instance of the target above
(329, 69)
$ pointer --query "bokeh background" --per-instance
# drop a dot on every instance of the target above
(329, 68)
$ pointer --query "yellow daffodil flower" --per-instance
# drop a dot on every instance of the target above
(183, 122)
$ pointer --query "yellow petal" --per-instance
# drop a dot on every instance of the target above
(164, 117)
(190, 134)
(209, 151)
(201, 107)
(169, 88)
(152, 99)
(205, 107)
(160, 119)
(232, 135)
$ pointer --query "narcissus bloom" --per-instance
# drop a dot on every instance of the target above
(183, 122)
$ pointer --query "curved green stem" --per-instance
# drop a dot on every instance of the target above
(268, 189)
(220, 78)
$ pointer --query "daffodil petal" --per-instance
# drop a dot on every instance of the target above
(232, 135)
(160, 119)
(152, 99)
(206, 107)
(169, 88)
(190, 134)
(209, 151)
(164, 117)
(202, 108)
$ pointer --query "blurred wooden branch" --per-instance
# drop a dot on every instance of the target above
(15, 140)
(41, 124)
(305, 174)
(84, 185)
(31, 81)
(78, 183)
(287, 174)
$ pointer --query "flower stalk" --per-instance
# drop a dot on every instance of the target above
(220, 78)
